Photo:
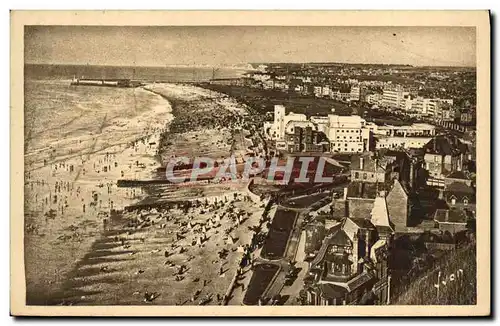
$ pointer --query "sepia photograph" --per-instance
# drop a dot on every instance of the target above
(267, 165)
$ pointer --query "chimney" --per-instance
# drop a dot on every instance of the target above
(361, 163)
(412, 172)
(367, 243)
(355, 252)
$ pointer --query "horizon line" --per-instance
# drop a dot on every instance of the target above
(238, 64)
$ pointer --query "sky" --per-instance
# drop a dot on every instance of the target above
(226, 45)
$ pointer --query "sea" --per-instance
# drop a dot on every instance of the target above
(149, 74)
(61, 120)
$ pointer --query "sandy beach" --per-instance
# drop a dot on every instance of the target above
(79, 251)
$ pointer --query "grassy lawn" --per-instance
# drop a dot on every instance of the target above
(262, 275)
(264, 100)
(279, 232)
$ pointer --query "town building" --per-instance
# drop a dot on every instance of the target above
(460, 198)
(375, 99)
(393, 96)
(321, 122)
(431, 107)
(390, 174)
(367, 168)
(348, 134)
(399, 204)
(342, 94)
(351, 265)
(443, 155)
(355, 93)
(416, 135)
(369, 176)
(413, 130)
(360, 197)
(345, 134)
(318, 91)
(453, 220)
(407, 102)
(276, 130)
(466, 116)
(229, 81)
(401, 142)
(458, 176)
(303, 137)
(458, 194)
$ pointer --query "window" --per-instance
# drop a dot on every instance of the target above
(466, 201)
(356, 175)
(364, 175)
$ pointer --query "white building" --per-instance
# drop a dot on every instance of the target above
(276, 130)
(397, 96)
(393, 96)
(318, 91)
(355, 93)
(429, 106)
(414, 130)
(268, 84)
(348, 134)
(322, 123)
(375, 98)
(402, 142)
(261, 77)
(326, 91)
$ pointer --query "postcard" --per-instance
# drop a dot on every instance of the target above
(259, 163)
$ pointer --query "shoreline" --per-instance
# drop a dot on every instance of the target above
(141, 232)
(56, 228)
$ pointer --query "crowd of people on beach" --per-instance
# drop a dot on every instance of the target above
(62, 189)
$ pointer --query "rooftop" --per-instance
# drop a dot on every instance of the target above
(454, 215)
(369, 163)
(359, 280)
(363, 223)
(379, 213)
(357, 189)
(445, 145)
(458, 175)
(329, 290)
(421, 126)
(459, 188)
(340, 238)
